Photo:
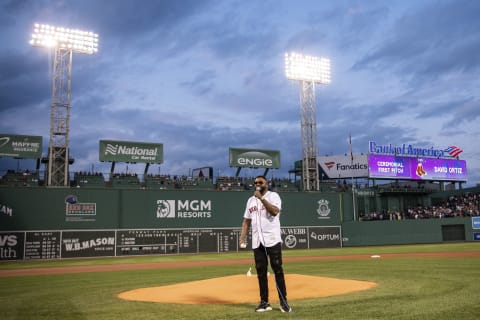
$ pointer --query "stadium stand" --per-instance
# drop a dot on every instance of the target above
(167, 182)
(158, 182)
(245, 184)
(192, 183)
(284, 185)
(88, 180)
(230, 184)
(19, 179)
(125, 181)
(462, 205)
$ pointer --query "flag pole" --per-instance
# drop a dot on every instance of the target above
(353, 184)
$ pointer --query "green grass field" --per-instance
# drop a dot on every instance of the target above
(408, 288)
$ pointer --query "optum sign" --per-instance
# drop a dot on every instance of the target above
(254, 158)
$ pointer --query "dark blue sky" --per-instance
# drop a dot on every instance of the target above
(203, 76)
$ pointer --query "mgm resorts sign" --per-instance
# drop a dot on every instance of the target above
(126, 151)
(252, 158)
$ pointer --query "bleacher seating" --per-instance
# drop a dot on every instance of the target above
(284, 185)
(163, 182)
(231, 184)
(191, 183)
(20, 179)
(89, 180)
(158, 182)
(124, 181)
(333, 186)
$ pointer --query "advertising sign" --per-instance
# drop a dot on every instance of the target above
(409, 150)
(79, 211)
(92, 243)
(295, 237)
(11, 245)
(131, 152)
(339, 167)
(475, 222)
(324, 237)
(17, 146)
(411, 168)
(252, 158)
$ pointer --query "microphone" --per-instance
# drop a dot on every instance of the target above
(258, 188)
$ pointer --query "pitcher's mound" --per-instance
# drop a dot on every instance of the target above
(244, 289)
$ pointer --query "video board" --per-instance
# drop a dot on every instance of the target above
(413, 168)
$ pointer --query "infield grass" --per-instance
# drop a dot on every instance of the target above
(408, 288)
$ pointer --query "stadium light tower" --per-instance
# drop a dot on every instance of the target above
(64, 42)
(308, 70)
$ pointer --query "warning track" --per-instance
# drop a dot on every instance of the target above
(206, 263)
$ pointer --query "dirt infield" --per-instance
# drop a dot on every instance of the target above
(244, 289)
(192, 264)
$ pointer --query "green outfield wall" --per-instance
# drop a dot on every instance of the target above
(367, 233)
(65, 208)
(46, 223)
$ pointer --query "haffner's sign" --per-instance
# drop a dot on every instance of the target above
(406, 150)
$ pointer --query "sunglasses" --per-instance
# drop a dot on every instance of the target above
(258, 182)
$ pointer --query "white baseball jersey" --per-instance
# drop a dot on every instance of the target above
(265, 227)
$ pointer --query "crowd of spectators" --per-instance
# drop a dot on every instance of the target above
(463, 205)
(23, 178)
(87, 173)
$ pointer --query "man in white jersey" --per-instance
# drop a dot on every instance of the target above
(262, 213)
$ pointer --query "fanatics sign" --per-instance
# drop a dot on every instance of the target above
(335, 167)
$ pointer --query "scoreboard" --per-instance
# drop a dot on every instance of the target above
(48, 244)
(157, 241)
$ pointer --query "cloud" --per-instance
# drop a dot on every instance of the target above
(202, 83)
(23, 82)
(203, 76)
(427, 43)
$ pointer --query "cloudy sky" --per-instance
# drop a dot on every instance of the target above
(203, 76)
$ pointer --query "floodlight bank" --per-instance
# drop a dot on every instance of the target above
(79, 41)
(307, 68)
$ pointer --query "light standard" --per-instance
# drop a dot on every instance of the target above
(64, 42)
(308, 70)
